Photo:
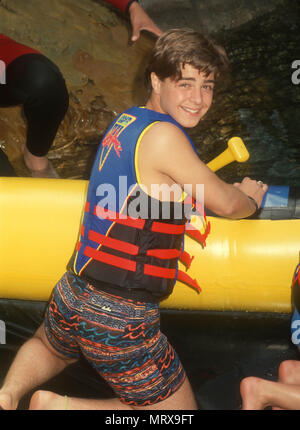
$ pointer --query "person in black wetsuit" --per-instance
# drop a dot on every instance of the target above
(36, 83)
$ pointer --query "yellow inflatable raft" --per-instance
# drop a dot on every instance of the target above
(247, 265)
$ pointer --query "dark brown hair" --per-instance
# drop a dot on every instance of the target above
(181, 46)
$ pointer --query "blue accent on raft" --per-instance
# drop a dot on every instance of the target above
(277, 197)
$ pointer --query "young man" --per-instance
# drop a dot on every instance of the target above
(107, 305)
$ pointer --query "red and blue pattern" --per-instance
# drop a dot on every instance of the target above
(119, 337)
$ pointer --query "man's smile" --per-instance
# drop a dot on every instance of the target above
(192, 111)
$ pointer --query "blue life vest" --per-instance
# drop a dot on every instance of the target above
(122, 242)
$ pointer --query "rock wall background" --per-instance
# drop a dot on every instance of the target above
(261, 104)
(208, 16)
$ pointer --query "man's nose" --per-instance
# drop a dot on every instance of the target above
(196, 95)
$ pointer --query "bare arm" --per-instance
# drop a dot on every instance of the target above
(166, 155)
(139, 19)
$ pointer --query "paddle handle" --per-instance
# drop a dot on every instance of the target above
(236, 151)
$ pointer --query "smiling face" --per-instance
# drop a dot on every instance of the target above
(187, 99)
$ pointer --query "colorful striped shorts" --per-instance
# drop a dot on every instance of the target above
(119, 337)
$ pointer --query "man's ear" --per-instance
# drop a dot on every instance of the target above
(155, 81)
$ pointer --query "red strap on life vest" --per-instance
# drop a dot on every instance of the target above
(160, 272)
(164, 254)
(104, 257)
(161, 227)
(139, 223)
(116, 217)
(186, 259)
(197, 235)
(110, 242)
(170, 274)
(191, 230)
(149, 269)
(124, 263)
(119, 219)
(185, 278)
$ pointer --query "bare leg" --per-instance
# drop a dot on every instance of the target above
(259, 393)
(33, 162)
(182, 399)
(40, 167)
(289, 372)
(46, 400)
(35, 363)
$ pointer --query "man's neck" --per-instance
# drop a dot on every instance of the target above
(153, 103)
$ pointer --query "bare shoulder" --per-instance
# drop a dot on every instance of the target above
(166, 149)
(164, 137)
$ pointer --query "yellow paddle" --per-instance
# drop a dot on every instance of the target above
(236, 151)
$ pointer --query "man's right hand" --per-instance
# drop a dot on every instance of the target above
(253, 188)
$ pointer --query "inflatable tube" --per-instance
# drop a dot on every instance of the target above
(247, 265)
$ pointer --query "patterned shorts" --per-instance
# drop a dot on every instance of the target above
(119, 337)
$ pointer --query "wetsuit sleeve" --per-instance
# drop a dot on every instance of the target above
(121, 4)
